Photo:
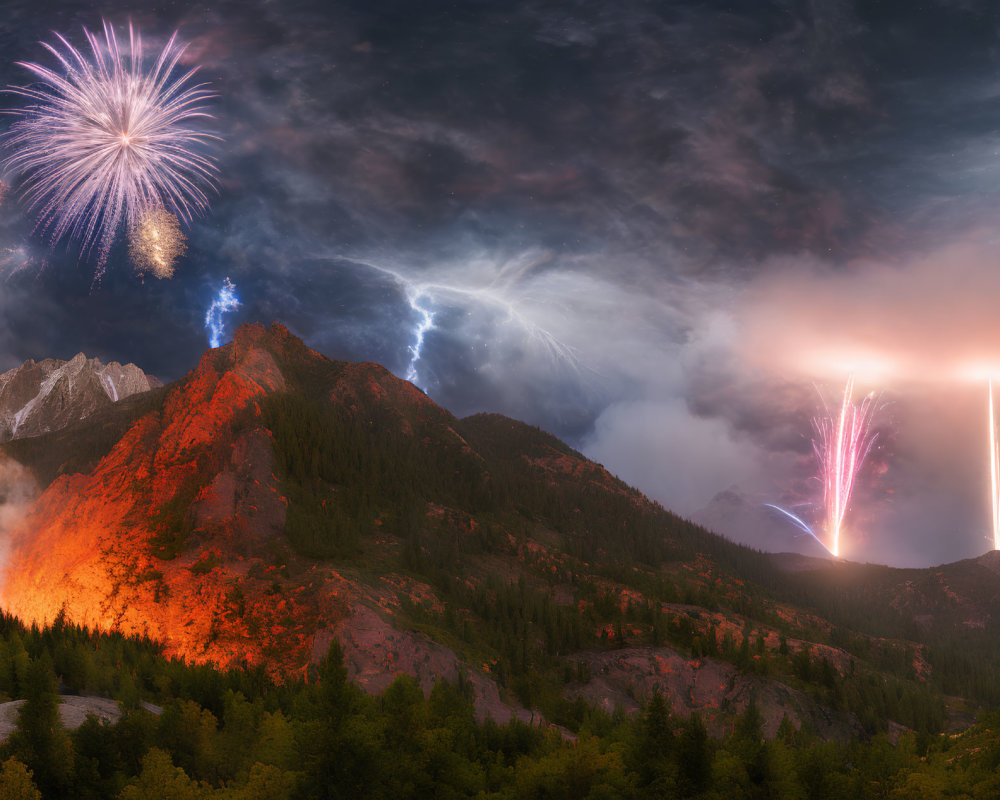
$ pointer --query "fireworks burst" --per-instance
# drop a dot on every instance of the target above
(155, 243)
(225, 302)
(104, 140)
(841, 445)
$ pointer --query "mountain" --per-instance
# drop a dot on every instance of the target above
(38, 397)
(274, 500)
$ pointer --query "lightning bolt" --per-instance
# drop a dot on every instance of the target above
(425, 324)
(421, 296)
(225, 302)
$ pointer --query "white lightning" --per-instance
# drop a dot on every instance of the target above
(425, 324)
(496, 294)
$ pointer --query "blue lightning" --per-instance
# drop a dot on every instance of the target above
(426, 324)
(799, 523)
(225, 302)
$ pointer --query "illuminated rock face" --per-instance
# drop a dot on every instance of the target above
(52, 394)
(90, 546)
(178, 532)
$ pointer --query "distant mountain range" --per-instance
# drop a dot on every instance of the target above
(38, 397)
(273, 500)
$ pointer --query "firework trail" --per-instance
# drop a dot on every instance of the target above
(800, 524)
(841, 445)
(994, 472)
(425, 324)
(103, 140)
(225, 302)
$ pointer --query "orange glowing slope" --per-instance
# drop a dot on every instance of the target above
(98, 546)
(87, 548)
(176, 530)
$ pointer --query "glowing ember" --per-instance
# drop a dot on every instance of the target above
(155, 243)
(842, 443)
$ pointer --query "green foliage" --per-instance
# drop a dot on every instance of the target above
(16, 782)
(235, 736)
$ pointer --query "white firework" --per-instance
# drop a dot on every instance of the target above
(104, 140)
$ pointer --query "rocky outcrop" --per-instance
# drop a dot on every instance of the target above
(376, 652)
(716, 690)
(44, 396)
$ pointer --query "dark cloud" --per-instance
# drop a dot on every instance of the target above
(623, 217)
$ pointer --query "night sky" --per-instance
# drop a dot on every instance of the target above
(664, 232)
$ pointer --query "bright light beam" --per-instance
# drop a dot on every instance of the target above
(841, 445)
(994, 472)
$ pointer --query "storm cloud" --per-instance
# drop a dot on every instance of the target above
(662, 232)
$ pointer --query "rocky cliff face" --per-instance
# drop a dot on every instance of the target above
(38, 397)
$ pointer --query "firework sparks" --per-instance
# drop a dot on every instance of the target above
(841, 445)
(224, 303)
(155, 243)
(103, 140)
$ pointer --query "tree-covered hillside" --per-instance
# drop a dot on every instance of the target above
(237, 735)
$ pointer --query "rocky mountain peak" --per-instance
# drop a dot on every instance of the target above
(44, 396)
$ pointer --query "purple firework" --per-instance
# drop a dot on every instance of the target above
(104, 140)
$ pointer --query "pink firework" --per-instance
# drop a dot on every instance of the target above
(103, 140)
(842, 443)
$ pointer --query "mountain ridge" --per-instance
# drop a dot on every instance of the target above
(39, 397)
(273, 499)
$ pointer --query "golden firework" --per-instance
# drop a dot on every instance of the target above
(155, 243)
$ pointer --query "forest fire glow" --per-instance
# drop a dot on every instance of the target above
(842, 444)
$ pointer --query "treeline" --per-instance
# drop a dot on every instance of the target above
(233, 736)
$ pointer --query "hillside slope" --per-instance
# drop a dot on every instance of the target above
(274, 499)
